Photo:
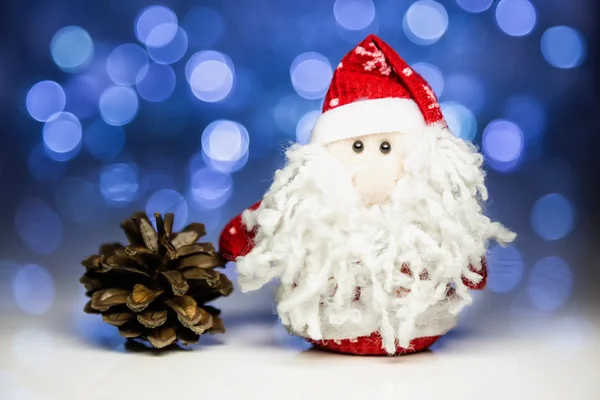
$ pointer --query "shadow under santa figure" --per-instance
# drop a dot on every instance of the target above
(375, 228)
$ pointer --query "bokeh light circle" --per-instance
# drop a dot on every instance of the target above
(33, 289)
(125, 63)
(118, 105)
(45, 99)
(225, 143)
(152, 17)
(564, 47)
(475, 6)
(204, 55)
(311, 75)
(72, 48)
(211, 81)
(210, 75)
(104, 142)
(516, 17)
(432, 75)
(550, 284)
(425, 22)
(553, 216)
(76, 199)
(354, 15)
(172, 51)
(62, 133)
(38, 226)
(506, 268)
(461, 121)
(226, 166)
(168, 201)
(305, 126)
(502, 144)
(119, 183)
(210, 189)
(157, 84)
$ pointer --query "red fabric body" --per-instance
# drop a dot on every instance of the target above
(373, 70)
(372, 345)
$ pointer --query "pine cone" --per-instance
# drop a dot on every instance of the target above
(155, 289)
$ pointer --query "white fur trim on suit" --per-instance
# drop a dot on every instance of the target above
(435, 321)
(367, 117)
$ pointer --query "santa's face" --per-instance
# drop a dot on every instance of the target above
(367, 234)
(375, 163)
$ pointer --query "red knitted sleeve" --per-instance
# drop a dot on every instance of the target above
(235, 239)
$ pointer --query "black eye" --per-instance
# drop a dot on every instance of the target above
(358, 146)
(385, 147)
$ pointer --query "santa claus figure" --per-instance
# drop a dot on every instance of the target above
(375, 228)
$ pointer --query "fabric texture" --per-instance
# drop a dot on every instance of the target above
(373, 90)
(372, 345)
(235, 240)
(313, 233)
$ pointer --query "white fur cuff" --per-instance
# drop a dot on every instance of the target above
(367, 117)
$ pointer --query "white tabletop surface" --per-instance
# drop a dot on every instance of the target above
(510, 353)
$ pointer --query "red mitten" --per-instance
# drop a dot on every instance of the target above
(236, 240)
(482, 272)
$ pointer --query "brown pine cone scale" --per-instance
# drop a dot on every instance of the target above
(156, 288)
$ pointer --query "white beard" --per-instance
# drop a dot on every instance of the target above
(315, 236)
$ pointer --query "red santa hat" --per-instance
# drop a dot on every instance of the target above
(373, 90)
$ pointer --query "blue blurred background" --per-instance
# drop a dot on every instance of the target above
(110, 107)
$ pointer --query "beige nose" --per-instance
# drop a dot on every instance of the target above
(374, 184)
